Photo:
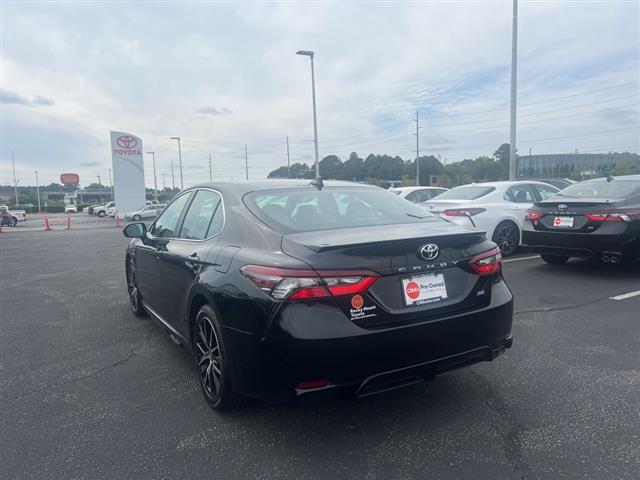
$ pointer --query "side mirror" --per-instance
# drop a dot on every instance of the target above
(135, 230)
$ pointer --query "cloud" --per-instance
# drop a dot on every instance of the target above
(13, 98)
(213, 111)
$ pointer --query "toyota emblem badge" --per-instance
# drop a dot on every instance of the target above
(429, 251)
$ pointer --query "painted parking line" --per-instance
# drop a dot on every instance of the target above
(624, 296)
(519, 259)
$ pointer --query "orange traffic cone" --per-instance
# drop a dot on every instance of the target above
(47, 226)
(68, 221)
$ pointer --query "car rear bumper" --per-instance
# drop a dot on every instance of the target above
(358, 361)
(586, 245)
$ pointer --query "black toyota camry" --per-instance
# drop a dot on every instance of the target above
(597, 218)
(283, 289)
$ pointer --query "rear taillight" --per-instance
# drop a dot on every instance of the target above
(290, 284)
(463, 212)
(614, 216)
(533, 215)
(487, 263)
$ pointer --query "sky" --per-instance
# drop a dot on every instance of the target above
(222, 75)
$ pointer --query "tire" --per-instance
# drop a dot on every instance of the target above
(555, 259)
(507, 236)
(137, 218)
(14, 221)
(211, 362)
(102, 214)
(135, 299)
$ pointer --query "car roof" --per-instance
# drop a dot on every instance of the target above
(244, 186)
(414, 188)
(620, 177)
(505, 183)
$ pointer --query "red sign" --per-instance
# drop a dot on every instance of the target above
(413, 290)
(69, 178)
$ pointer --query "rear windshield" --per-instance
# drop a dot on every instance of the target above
(307, 209)
(466, 192)
(602, 188)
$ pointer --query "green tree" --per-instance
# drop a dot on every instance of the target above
(331, 167)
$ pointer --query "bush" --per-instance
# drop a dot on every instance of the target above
(54, 209)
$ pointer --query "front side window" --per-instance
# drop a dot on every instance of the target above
(167, 223)
(199, 217)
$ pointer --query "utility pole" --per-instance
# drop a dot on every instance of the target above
(210, 170)
(99, 182)
(246, 161)
(173, 177)
(155, 179)
(163, 184)
(111, 186)
(180, 159)
(288, 160)
(38, 192)
(514, 77)
(15, 181)
(417, 148)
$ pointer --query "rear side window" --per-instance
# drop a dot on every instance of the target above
(199, 217)
(467, 192)
(520, 194)
(300, 210)
(419, 196)
(167, 223)
(545, 191)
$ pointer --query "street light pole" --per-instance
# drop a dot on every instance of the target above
(15, 181)
(173, 177)
(514, 77)
(288, 160)
(210, 170)
(180, 160)
(417, 134)
(155, 179)
(38, 192)
(311, 54)
(246, 162)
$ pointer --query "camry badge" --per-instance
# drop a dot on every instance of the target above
(429, 251)
(562, 206)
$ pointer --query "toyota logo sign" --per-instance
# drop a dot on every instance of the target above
(429, 251)
(562, 206)
(127, 141)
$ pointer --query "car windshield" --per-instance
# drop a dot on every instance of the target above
(305, 209)
(466, 192)
(602, 188)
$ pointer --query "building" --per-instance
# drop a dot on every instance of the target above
(575, 165)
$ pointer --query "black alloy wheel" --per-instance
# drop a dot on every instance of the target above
(135, 299)
(555, 259)
(137, 218)
(507, 236)
(211, 362)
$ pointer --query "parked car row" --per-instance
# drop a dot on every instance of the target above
(593, 218)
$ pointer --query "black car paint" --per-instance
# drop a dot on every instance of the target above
(587, 239)
(275, 344)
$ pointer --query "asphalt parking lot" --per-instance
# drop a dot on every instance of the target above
(90, 391)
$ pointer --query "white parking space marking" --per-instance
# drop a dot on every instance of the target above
(521, 258)
(624, 296)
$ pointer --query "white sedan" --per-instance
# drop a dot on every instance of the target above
(498, 208)
(418, 194)
(148, 211)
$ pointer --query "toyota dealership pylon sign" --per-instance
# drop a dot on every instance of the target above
(128, 172)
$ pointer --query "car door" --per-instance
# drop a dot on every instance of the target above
(521, 197)
(187, 252)
(153, 246)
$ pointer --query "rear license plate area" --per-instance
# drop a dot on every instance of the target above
(563, 222)
(423, 289)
